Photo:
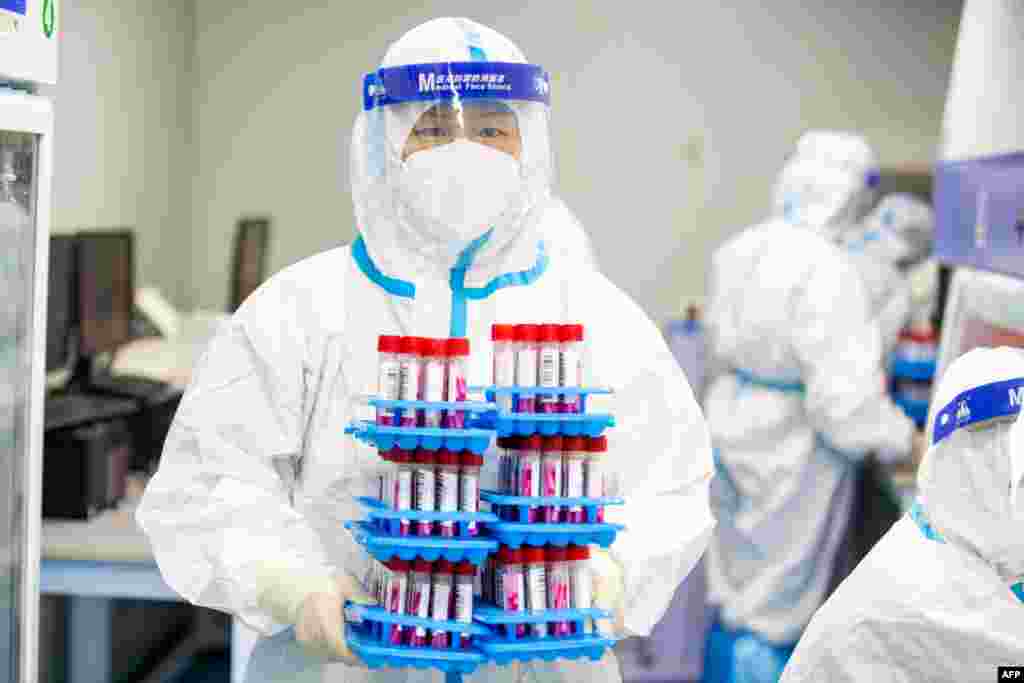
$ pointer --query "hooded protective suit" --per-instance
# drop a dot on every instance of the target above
(895, 237)
(804, 401)
(939, 597)
(569, 239)
(257, 476)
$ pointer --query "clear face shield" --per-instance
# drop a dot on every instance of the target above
(453, 151)
(978, 446)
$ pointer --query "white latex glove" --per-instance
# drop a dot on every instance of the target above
(609, 591)
(315, 605)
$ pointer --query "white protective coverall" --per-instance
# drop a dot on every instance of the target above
(257, 470)
(568, 239)
(895, 237)
(805, 400)
(939, 597)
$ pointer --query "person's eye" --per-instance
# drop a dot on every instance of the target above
(491, 133)
(432, 132)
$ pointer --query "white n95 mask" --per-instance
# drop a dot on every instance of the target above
(458, 191)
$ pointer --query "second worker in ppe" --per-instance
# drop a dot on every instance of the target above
(451, 174)
(802, 401)
(939, 597)
(894, 238)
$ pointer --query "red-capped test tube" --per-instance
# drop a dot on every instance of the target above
(503, 371)
(571, 366)
(409, 358)
(581, 591)
(434, 355)
(419, 600)
(389, 376)
(469, 486)
(511, 583)
(548, 353)
(441, 600)
(398, 596)
(447, 488)
(386, 475)
(593, 471)
(529, 472)
(558, 585)
(465, 574)
(455, 386)
(536, 586)
(526, 366)
(551, 475)
(402, 486)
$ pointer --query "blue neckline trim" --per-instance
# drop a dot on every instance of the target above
(785, 386)
(457, 280)
(461, 293)
(917, 514)
(393, 286)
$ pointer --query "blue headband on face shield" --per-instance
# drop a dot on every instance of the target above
(977, 405)
(447, 81)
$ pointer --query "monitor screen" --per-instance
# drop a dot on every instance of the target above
(982, 310)
(250, 259)
(105, 290)
(60, 306)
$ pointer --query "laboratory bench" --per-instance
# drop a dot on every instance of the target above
(91, 564)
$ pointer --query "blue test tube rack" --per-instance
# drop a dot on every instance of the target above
(507, 524)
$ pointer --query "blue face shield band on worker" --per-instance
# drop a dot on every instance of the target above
(451, 184)
(939, 597)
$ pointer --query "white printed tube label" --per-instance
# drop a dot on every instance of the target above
(574, 487)
(448, 498)
(536, 595)
(426, 497)
(469, 496)
(526, 376)
(504, 376)
(570, 374)
(551, 476)
(410, 390)
(464, 602)
(548, 403)
(433, 390)
(582, 591)
(403, 496)
(389, 384)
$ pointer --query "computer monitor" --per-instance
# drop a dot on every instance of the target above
(983, 309)
(60, 302)
(105, 289)
(250, 259)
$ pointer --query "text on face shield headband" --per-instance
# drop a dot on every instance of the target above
(978, 405)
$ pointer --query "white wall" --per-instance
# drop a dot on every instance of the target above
(634, 85)
(123, 115)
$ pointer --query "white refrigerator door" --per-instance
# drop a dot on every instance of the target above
(26, 125)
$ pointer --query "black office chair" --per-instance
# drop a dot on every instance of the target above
(249, 265)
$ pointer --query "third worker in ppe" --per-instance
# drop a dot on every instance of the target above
(894, 238)
(451, 177)
(802, 402)
(939, 597)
